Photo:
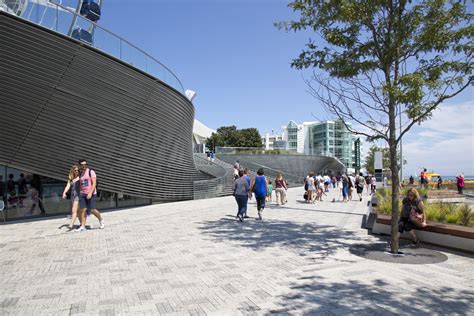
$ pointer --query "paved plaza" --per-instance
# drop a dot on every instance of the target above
(194, 258)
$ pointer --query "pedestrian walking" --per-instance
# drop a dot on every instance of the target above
(241, 194)
(339, 185)
(359, 182)
(351, 186)
(73, 188)
(280, 189)
(320, 190)
(22, 189)
(247, 178)
(236, 173)
(327, 183)
(345, 187)
(439, 185)
(37, 194)
(367, 183)
(270, 190)
(460, 183)
(310, 181)
(373, 184)
(260, 188)
(423, 178)
(88, 195)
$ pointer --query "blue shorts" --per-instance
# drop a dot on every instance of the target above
(85, 203)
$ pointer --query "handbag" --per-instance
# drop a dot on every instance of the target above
(416, 218)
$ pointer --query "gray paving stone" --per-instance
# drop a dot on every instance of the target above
(10, 302)
(163, 259)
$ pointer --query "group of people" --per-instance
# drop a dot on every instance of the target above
(15, 197)
(316, 186)
(81, 189)
(260, 187)
(211, 156)
(424, 181)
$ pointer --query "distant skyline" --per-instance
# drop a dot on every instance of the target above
(229, 52)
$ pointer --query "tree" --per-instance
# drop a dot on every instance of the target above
(369, 160)
(249, 137)
(230, 136)
(383, 61)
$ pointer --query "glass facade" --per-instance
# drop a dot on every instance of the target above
(292, 129)
(332, 139)
(28, 195)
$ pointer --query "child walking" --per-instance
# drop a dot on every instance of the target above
(270, 190)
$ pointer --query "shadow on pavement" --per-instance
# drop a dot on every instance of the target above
(304, 238)
(376, 297)
(284, 207)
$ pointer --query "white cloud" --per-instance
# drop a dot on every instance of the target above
(454, 119)
(444, 144)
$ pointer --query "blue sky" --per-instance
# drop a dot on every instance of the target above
(229, 52)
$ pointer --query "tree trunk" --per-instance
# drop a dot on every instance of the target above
(395, 178)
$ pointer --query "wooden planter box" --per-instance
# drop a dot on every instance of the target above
(446, 235)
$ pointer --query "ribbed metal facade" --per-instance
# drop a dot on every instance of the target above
(61, 100)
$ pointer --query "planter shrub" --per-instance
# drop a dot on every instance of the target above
(441, 212)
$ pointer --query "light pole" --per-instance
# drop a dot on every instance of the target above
(401, 151)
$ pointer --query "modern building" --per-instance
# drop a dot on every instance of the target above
(273, 141)
(326, 138)
(200, 133)
(71, 89)
(332, 138)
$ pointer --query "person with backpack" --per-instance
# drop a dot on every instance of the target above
(88, 195)
(360, 185)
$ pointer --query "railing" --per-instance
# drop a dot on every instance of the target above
(214, 187)
(276, 151)
(63, 20)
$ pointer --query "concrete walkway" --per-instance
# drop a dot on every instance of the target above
(194, 258)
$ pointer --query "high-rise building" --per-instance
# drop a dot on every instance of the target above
(333, 138)
(326, 138)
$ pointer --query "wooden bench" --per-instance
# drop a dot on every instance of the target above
(446, 235)
(440, 228)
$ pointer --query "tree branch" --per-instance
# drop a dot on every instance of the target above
(431, 108)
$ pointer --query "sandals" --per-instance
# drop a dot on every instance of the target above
(416, 242)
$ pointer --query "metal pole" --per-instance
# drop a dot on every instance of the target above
(401, 151)
(74, 19)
